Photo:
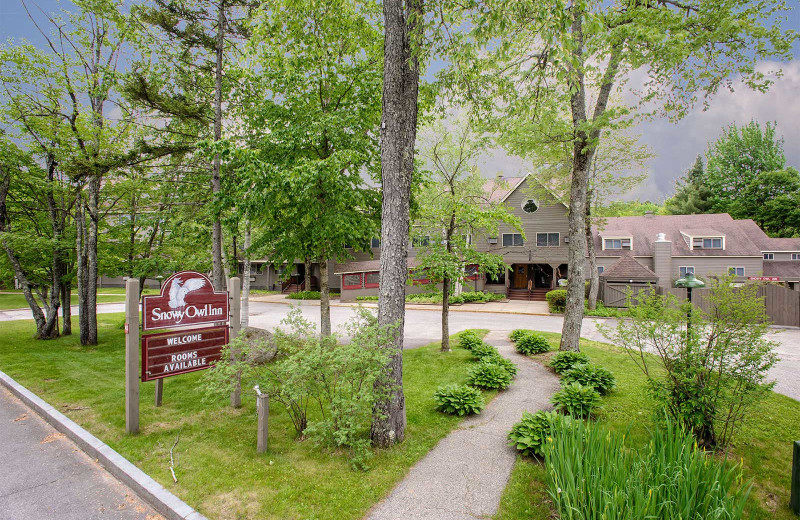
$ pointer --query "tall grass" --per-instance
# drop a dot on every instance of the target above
(592, 475)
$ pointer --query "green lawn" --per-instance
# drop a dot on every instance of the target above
(764, 444)
(17, 301)
(218, 469)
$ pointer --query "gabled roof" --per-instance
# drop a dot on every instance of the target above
(742, 237)
(513, 183)
(628, 268)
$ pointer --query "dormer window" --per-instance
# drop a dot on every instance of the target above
(707, 243)
(617, 243)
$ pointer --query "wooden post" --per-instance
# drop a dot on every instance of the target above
(794, 502)
(235, 297)
(159, 390)
(262, 404)
(132, 356)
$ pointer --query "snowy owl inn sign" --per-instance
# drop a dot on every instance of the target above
(187, 298)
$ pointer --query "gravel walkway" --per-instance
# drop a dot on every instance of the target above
(463, 477)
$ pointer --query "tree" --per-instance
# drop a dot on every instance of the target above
(692, 195)
(772, 200)
(453, 208)
(545, 59)
(311, 120)
(737, 158)
(403, 28)
(194, 41)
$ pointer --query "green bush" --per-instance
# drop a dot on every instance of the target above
(517, 334)
(557, 300)
(469, 339)
(532, 343)
(576, 400)
(594, 376)
(509, 365)
(564, 361)
(530, 434)
(459, 400)
(489, 375)
(592, 474)
(366, 298)
(484, 350)
(304, 295)
(456, 300)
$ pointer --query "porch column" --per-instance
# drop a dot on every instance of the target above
(554, 281)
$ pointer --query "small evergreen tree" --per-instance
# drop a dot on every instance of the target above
(692, 196)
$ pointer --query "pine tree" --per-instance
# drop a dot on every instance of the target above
(692, 196)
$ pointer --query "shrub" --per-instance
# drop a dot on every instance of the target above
(509, 365)
(530, 434)
(707, 377)
(489, 375)
(304, 295)
(667, 478)
(557, 300)
(517, 334)
(484, 350)
(532, 343)
(567, 359)
(594, 376)
(456, 300)
(576, 400)
(469, 339)
(458, 400)
(366, 298)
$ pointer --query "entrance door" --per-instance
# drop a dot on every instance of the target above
(520, 276)
(542, 275)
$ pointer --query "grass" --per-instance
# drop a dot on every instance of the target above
(17, 301)
(764, 443)
(218, 469)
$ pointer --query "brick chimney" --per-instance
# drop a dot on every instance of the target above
(662, 260)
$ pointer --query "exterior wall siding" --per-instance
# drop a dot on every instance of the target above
(707, 266)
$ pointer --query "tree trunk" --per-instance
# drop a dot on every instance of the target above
(308, 267)
(398, 134)
(80, 265)
(90, 338)
(217, 270)
(573, 312)
(594, 280)
(446, 315)
(325, 299)
(66, 309)
(246, 282)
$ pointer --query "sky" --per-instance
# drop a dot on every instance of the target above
(675, 145)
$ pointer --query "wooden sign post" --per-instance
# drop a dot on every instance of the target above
(132, 356)
(235, 321)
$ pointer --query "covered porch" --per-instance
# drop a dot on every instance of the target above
(532, 281)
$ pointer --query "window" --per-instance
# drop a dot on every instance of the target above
(707, 243)
(617, 243)
(420, 241)
(736, 271)
(376, 242)
(512, 239)
(686, 269)
(351, 281)
(600, 269)
(795, 256)
(547, 239)
(498, 279)
(467, 239)
(769, 256)
(371, 280)
(471, 272)
(530, 205)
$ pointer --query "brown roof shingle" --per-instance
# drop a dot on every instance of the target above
(628, 268)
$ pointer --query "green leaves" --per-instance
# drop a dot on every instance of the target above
(459, 400)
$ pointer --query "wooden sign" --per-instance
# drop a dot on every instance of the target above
(764, 278)
(172, 353)
(187, 298)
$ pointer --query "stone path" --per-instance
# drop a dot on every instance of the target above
(463, 477)
(46, 476)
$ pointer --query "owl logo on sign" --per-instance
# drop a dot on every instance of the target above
(179, 290)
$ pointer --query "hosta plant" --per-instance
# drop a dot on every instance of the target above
(484, 350)
(530, 434)
(509, 365)
(576, 400)
(469, 339)
(489, 375)
(591, 375)
(567, 359)
(458, 400)
(517, 333)
(532, 343)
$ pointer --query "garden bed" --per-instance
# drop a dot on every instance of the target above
(218, 469)
(764, 445)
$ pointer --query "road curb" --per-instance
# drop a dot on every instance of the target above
(125, 471)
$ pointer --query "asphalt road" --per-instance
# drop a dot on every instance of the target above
(424, 326)
(45, 476)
